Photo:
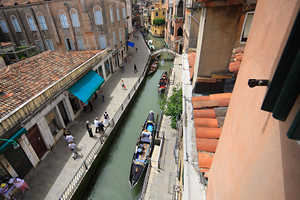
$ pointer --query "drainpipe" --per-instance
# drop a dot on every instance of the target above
(22, 26)
(52, 23)
(72, 32)
(38, 29)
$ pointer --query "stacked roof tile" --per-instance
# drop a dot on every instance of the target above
(209, 116)
(23, 80)
(3, 44)
(236, 59)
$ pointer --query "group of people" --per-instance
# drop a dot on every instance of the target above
(6, 188)
(99, 126)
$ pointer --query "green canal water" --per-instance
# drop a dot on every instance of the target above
(111, 180)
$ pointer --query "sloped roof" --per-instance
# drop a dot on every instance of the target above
(236, 59)
(209, 115)
(25, 79)
(18, 2)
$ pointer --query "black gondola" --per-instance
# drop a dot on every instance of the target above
(142, 150)
(153, 67)
(163, 82)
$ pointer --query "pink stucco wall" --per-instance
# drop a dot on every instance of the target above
(254, 157)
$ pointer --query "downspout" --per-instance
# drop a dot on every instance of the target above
(71, 26)
(22, 25)
(55, 32)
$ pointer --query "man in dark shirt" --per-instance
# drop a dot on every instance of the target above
(101, 130)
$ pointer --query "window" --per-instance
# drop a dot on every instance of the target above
(120, 35)
(156, 14)
(124, 15)
(42, 22)
(246, 26)
(23, 43)
(49, 44)
(69, 44)
(74, 17)
(115, 42)
(80, 43)
(179, 31)
(39, 45)
(102, 41)
(180, 9)
(118, 15)
(98, 15)
(3, 26)
(100, 71)
(63, 19)
(15, 23)
(111, 14)
(30, 22)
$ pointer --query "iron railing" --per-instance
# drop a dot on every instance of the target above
(145, 184)
(87, 163)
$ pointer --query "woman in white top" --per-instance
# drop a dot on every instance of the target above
(20, 183)
(106, 119)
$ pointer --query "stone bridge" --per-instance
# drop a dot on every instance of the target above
(157, 53)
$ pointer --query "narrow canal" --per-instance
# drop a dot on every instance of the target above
(111, 180)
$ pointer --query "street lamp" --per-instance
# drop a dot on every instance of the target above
(14, 143)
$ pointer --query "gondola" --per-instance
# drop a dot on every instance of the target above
(163, 82)
(153, 67)
(142, 150)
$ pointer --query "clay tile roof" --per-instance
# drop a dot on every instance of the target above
(18, 2)
(6, 43)
(23, 80)
(191, 58)
(236, 59)
(209, 115)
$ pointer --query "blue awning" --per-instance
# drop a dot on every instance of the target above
(131, 44)
(7, 144)
(85, 87)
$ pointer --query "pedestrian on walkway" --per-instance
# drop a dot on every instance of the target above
(135, 69)
(19, 183)
(70, 138)
(101, 128)
(136, 48)
(91, 106)
(6, 191)
(123, 85)
(65, 132)
(88, 127)
(106, 119)
(122, 67)
(96, 124)
(102, 94)
(84, 106)
(72, 146)
(125, 59)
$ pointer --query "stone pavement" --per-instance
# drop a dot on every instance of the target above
(57, 169)
(161, 181)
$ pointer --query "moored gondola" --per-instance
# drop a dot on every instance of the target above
(163, 82)
(153, 67)
(142, 150)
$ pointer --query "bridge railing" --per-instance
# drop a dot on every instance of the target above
(87, 163)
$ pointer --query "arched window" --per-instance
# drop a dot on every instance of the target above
(30, 22)
(42, 22)
(63, 19)
(98, 15)
(3, 25)
(179, 32)
(111, 13)
(118, 15)
(180, 9)
(15, 23)
(124, 14)
(74, 17)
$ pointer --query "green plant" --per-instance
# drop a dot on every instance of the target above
(173, 105)
(159, 21)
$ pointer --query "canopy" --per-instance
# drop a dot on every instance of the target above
(131, 44)
(85, 87)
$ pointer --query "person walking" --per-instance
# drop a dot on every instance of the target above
(122, 67)
(88, 127)
(101, 129)
(102, 94)
(84, 106)
(65, 132)
(72, 146)
(136, 48)
(106, 119)
(70, 138)
(6, 191)
(96, 124)
(91, 106)
(135, 69)
(19, 183)
(123, 85)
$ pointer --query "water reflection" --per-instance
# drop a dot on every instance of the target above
(157, 42)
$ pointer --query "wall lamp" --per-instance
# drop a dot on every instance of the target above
(14, 143)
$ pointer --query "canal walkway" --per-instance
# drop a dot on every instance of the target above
(57, 169)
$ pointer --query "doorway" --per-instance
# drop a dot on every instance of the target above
(36, 141)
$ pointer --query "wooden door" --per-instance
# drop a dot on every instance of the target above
(36, 141)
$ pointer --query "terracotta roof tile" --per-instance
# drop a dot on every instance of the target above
(18, 2)
(200, 98)
(223, 102)
(205, 104)
(209, 145)
(23, 80)
(6, 43)
(205, 159)
(206, 122)
(220, 96)
(209, 113)
(207, 132)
